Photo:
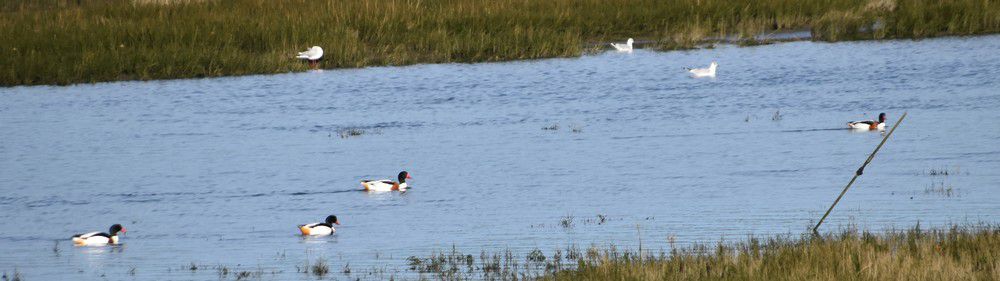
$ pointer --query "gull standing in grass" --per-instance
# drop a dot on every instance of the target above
(704, 72)
(627, 47)
(312, 55)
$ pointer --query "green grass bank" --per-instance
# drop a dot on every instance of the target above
(78, 41)
(956, 253)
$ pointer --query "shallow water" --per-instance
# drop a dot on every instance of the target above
(220, 171)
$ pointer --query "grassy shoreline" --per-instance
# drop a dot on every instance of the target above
(82, 41)
(955, 253)
(966, 252)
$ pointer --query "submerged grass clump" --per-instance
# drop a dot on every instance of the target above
(945, 171)
(223, 271)
(16, 276)
(350, 132)
(74, 41)
(320, 268)
(566, 221)
(955, 253)
(357, 132)
(940, 188)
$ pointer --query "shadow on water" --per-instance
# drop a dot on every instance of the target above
(733, 133)
(297, 193)
(300, 193)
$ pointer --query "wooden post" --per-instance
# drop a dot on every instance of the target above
(859, 172)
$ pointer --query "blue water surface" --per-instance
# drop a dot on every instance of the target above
(218, 172)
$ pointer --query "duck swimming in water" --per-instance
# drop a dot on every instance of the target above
(320, 228)
(869, 124)
(99, 238)
(387, 185)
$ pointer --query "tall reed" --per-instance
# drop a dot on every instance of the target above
(73, 41)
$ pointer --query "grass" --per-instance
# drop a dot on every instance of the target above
(16, 276)
(246, 274)
(79, 41)
(951, 254)
(566, 221)
(941, 189)
(320, 268)
(955, 253)
(945, 171)
(225, 271)
(350, 132)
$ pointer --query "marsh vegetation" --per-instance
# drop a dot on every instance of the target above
(78, 41)
(955, 253)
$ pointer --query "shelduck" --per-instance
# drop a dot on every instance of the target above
(320, 228)
(627, 47)
(387, 185)
(704, 72)
(99, 238)
(869, 124)
(312, 55)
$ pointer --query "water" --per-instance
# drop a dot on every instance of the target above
(220, 171)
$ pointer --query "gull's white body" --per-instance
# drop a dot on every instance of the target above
(704, 72)
(627, 47)
(311, 54)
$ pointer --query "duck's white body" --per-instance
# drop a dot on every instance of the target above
(866, 125)
(311, 54)
(627, 47)
(383, 185)
(387, 185)
(94, 239)
(704, 72)
(317, 229)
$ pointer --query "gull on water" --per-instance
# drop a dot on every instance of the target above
(704, 72)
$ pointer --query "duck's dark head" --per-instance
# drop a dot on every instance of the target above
(115, 229)
(331, 220)
(881, 117)
(403, 176)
